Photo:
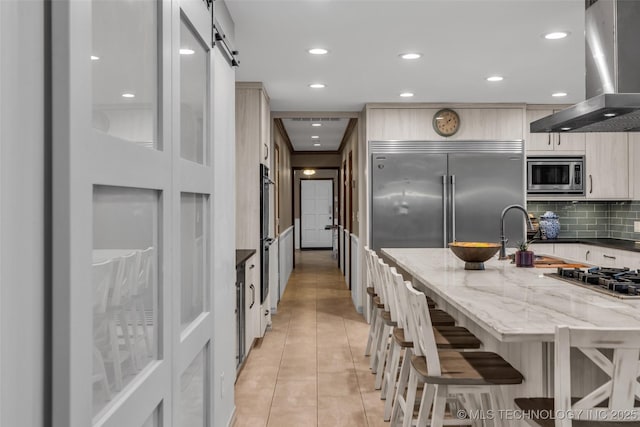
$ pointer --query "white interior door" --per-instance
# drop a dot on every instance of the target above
(132, 213)
(316, 213)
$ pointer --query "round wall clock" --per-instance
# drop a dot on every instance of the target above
(446, 122)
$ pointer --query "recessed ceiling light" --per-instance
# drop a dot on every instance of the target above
(556, 35)
(185, 51)
(318, 51)
(559, 94)
(610, 114)
(565, 128)
(317, 85)
(94, 58)
(316, 145)
(128, 95)
(495, 78)
(410, 55)
(315, 137)
(406, 94)
(316, 125)
(309, 172)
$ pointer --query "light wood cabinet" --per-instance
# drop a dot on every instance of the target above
(596, 255)
(265, 129)
(252, 301)
(634, 159)
(539, 142)
(544, 143)
(415, 124)
(607, 166)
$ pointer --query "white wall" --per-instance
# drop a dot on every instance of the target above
(356, 286)
(22, 213)
(224, 229)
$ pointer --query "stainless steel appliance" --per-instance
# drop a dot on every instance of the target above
(612, 73)
(618, 282)
(555, 175)
(430, 193)
(265, 240)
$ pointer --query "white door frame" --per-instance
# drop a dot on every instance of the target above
(332, 210)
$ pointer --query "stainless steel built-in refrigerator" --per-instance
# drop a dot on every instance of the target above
(427, 194)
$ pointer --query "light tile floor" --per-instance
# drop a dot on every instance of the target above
(310, 368)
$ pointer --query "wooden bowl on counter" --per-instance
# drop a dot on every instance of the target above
(474, 254)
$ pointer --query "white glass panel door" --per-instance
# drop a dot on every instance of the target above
(126, 203)
(113, 213)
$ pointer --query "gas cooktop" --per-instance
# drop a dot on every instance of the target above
(618, 282)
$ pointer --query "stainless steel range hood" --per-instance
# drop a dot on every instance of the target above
(612, 40)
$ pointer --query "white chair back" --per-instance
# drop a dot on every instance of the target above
(404, 316)
(144, 271)
(102, 278)
(385, 281)
(125, 277)
(623, 368)
(377, 278)
(424, 342)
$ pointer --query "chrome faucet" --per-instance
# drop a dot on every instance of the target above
(503, 239)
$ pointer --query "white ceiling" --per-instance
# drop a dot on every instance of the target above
(330, 133)
(462, 42)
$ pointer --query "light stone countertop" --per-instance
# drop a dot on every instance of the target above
(513, 304)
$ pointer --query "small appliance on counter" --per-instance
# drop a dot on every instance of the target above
(549, 225)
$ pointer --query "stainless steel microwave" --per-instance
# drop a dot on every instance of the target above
(555, 175)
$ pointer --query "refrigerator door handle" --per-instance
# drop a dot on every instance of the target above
(453, 208)
(444, 210)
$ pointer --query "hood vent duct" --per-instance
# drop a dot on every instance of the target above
(612, 41)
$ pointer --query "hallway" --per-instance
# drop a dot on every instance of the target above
(309, 370)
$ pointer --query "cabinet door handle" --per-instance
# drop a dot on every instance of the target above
(252, 266)
(590, 183)
(558, 139)
(608, 256)
(549, 142)
(266, 151)
(586, 255)
(253, 296)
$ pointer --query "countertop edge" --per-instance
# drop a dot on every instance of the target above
(242, 255)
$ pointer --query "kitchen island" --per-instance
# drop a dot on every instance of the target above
(514, 311)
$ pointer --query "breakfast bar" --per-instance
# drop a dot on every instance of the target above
(514, 311)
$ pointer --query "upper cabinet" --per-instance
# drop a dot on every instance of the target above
(634, 159)
(607, 166)
(253, 134)
(265, 129)
(416, 124)
(543, 143)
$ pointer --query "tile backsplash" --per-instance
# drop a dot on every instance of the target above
(592, 219)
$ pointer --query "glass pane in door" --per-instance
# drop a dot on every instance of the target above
(124, 63)
(125, 287)
(193, 393)
(193, 95)
(193, 255)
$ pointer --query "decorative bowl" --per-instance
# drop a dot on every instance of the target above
(474, 254)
